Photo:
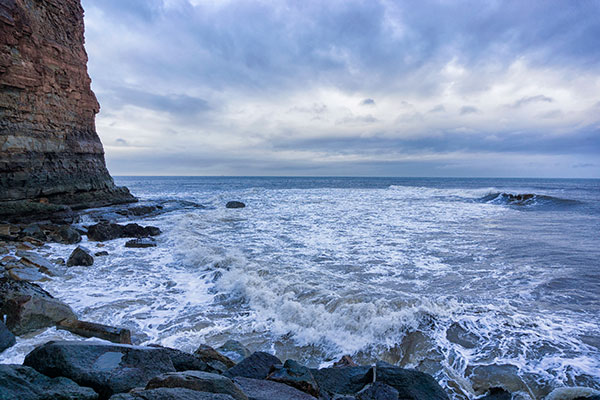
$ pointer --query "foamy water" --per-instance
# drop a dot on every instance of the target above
(452, 278)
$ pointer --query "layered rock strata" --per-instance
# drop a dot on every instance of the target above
(50, 154)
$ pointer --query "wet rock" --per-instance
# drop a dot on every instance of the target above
(256, 366)
(213, 358)
(20, 272)
(29, 308)
(138, 211)
(81, 256)
(198, 380)
(35, 232)
(59, 261)
(345, 361)
(496, 394)
(7, 339)
(486, 377)
(377, 391)
(258, 389)
(346, 381)
(234, 350)
(411, 384)
(107, 231)
(32, 241)
(9, 232)
(92, 329)
(65, 235)
(170, 394)
(18, 382)
(3, 250)
(141, 243)
(35, 260)
(295, 375)
(25, 247)
(459, 335)
(183, 361)
(101, 253)
(107, 368)
(235, 204)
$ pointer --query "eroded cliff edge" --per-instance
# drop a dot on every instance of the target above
(50, 154)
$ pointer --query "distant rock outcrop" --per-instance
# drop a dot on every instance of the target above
(50, 154)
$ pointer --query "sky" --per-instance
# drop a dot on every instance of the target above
(495, 88)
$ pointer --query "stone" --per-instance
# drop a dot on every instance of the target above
(497, 394)
(29, 308)
(141, 243)
(258, 389)
(345, 381)
(21, 272)
(459, 335)
(35, 260)
(345, 361)
(31, 240)
(170, 394)
(138, 211)
(411, 384)
(234, 350)
(198, 380)
(7, 339)
(81, 256)
(51, 159)
(3, 250)
(183, 361)
(34, 231)
(9, 231)
(256, 366)
(235, 204)
(107, 368)
(104, 231)
(377, 391)
(25, 247)
(213, 358)
(92, 329)
(18, 382)
(295, 375)
(101, 253)
(65, 235)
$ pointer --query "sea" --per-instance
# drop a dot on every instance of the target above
(479, 282)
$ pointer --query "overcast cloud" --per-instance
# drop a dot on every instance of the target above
(374, 87)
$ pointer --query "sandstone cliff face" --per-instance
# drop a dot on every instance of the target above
(49, 149)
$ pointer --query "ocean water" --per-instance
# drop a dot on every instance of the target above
(460, 278)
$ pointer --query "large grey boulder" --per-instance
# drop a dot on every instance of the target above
(18, 382)
(107, 231)
(198, 380)
(347, 380)
(411, 384)
(234, 350)
(107, 368)
(81, 256)
(217, 361)
(257, 366)
(258, 389)
(170, 394)
(295, 375)
(29, 308)
(7, 339)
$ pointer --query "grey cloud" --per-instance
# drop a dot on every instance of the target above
(531, 99)
(357, 119)
(367, 102)
(465, 110)
(437, 109)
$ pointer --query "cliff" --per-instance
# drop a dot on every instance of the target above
(50, 154)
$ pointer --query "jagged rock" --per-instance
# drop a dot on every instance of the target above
(9, 232)
(183, 361)
(234, 350)
(138, 211)
(213, 358)
(256, 366)
(198, 380)
(497, 394)
(50, 154)
(258, 389)
(7, 339)
(377, 391)
(345, 361)
(18, 382)
(35, 260)
(345, 381)
(235, 204)
(141, 243)
(295, 375)
(20, 272)
(31, 240)
(34, 231)
(411, 384)
(107, 368)
(65, 235)
(104, 231)
(29, 308)
(25, 247)
(170, 394)
(81, 256)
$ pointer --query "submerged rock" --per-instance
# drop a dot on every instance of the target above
(234, 350)
(295, 375)
(170, 394)
(81, 256)
(29, 308)
(7, 339)
(198, 380)
(107, 368)
(18, 382)
(235, 204)
(258, 389)
(213, 358)
(107, 231)
(256, 366)
(140, 210)
(141, 243)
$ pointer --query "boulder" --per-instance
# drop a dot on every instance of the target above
(141, 243)
(107, 368)
(29, 308)
(101, 253)
(9, 232)
(258, 389)
(345, 361)
(183, 361)
(496, 394)
(81, 256)
(140, 210)
(170, 394)
(198, 380)
(65, 234)
(108, 231)
(256, 366)
(411, 384)
(35, 260)
(235, 204)
(20, 272)
(295, 375)
(378, 391)
(234, 350)
(34, 231)
(345, 381)
(18, 382)
(213, 358)
(7, 339)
